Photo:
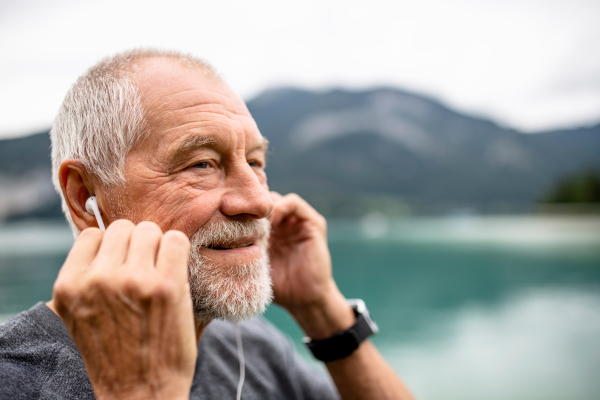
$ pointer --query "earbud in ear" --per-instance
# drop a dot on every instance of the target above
(91, 206)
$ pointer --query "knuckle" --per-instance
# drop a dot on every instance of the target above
(62, 290)
(148, 230)
(97, 282)
(322, 220)
(148, 226)
(134, 288)
(164, 291)
(293, 197)
(144, 288)
(131, 284)
(176, 238)
(91, 233)
(121, 224)
(161, 291)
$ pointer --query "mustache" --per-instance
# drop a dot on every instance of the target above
(226, 232)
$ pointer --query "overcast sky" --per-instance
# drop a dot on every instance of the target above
(529, 64)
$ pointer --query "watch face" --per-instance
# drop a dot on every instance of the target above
(372, 324)
(360, 307)
(343, 343)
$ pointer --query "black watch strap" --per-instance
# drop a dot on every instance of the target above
(343, 343)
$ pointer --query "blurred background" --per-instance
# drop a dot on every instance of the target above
(454, 147)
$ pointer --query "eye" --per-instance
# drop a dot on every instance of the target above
(255, 163)
(202, 164)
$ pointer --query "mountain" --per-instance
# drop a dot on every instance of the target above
(26, 189)
(334, 147)
(349, 152)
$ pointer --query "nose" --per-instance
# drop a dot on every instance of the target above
(245, 195)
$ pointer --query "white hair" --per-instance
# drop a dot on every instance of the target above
(102, 117)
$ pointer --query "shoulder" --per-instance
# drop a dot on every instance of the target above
(23, 339)
(36, 353)
(26, 355)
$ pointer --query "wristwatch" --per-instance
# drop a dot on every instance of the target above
(343, 343)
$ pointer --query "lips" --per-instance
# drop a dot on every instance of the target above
(229, 246)
(240, 243)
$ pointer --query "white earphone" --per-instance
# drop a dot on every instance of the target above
(91, 206)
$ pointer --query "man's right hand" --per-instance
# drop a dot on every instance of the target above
(124, 296)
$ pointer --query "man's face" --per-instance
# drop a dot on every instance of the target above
(200, 170)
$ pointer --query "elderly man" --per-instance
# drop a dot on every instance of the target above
(177, 167)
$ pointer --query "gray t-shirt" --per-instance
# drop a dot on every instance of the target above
(38, 360)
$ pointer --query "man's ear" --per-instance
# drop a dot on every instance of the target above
(77, 186)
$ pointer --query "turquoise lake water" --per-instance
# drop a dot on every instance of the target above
(468, 307)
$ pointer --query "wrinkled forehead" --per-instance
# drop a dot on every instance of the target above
(166, 84)
(179, 100)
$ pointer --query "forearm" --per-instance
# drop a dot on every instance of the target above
(366, 375)
(362, 375)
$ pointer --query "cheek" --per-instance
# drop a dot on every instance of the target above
(181, 203)
(186, 209)
(175, 206)
(262, 178)
(198, 210)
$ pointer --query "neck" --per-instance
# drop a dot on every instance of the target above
(200, 326)
(50, 305)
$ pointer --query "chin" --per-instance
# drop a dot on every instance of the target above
(230, 293)
(229, 270)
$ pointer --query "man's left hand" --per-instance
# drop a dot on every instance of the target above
(301, 268)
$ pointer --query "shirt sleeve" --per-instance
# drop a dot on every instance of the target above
(314, 384)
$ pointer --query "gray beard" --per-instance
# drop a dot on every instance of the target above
(229, 293)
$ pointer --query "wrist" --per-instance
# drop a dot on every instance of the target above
(176, 390)
(142, 395)
(321, 319)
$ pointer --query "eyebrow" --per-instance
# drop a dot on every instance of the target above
(262, 145)
(194, 142)
(189, 144)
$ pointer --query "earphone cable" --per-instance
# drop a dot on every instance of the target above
(238, 334)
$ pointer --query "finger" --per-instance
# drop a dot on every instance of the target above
(113, 250)
(143, 246)
(293, 205)
(173, 256)
(275, 196)
(83, 251)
